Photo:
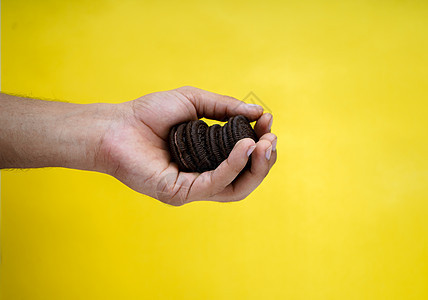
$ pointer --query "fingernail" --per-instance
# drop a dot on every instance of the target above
(274, 145)
(270, 122)
(255, 105)
(268, 152)
(250, 150)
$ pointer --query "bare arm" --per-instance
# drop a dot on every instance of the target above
(36, 133)
(129, 141)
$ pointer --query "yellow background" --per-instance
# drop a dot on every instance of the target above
(342, 215)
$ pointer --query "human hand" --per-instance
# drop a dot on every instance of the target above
(135, 148)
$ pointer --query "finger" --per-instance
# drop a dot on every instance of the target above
(264, 124)
(212, 182)
(250, 179)
(272, 138)
(219, 107)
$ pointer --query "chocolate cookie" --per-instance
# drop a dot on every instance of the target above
(181, 141)
(198, 134)
(195, 147)
(241, 128)
(230, 143)
(221, 144)
(213, 144)
(173, 148)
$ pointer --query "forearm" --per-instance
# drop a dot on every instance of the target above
(37, 133)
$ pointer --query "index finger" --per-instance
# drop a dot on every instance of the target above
(219, 107)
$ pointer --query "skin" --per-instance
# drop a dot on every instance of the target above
(129, 141)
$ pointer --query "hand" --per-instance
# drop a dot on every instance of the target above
(135, 148)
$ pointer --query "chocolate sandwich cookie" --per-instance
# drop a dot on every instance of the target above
(230, 143)
(222, 146)
(209, 149)
(198, 135)
(226, 142)
(190, 148)
(196, 147)
(173, 149)
(241, 128)
(183, 151)
(214, 145)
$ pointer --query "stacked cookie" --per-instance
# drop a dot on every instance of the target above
(197, 147)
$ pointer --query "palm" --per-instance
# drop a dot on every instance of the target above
(139, 151)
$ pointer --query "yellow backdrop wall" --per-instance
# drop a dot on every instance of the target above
(342, 215)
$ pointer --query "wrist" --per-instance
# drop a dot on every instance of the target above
(36, 133)
(104, 138)
(88, 127)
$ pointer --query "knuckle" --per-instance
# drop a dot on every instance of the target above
(273, 159)
(189, 92)
(173, 201)
(243, 142)
(170, 193)
(262, 172)
(165, 198)
(230, 98)
(176, 204)
(213, 187)
(264, 142)
(186, 88)
(265, 172)
(233, 167)
(272, 136)
(239, 198)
